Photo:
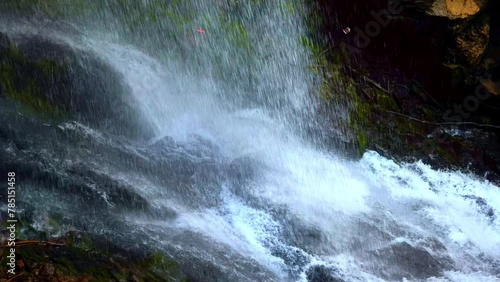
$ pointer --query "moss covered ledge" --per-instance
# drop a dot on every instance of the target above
(82, 257)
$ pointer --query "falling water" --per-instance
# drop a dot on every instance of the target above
(228, 178)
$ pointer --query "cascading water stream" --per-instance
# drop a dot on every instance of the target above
(229, 178)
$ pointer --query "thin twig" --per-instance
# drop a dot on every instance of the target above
(371, 81)
(377, 85)
(425, 92)
(404, 86)
(366, 93)
(444, 123)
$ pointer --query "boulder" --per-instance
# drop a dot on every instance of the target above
(321, 273)
(471, 41)
(53, 79)
(402, 260)
(456, 9)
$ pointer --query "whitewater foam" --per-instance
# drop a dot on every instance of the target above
(409, 203)
(318, 188)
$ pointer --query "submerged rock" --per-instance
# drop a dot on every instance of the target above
(483, 206)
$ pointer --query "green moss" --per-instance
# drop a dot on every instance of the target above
(13, 53)
(362, 141)
(161, 264)
(82, 260)
(53, 223)
(144, 15)
(239, 35)
(314, 20)
(21, 81)
(360, 122)
(30, 96)
(386, 102)
(287, 6)
(85, 244)
(99, 274)
(340, 90)
(368, 123)
(66, 265)
(51, 8)
(313, 47)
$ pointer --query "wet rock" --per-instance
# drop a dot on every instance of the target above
(471, 42)
(53, 79)
(455, 9)
(322, 273)
(243, 168)
(483, 206)
(81, 257)
(434, 244)
(241, 173)
(191, 169)
(304, 236)
(402, 260)
(464, 27)
(166, 143)
(203, 260)
(5, 42)
(295, 259)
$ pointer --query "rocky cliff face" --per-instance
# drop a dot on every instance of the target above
(441, 43)
(426, 76)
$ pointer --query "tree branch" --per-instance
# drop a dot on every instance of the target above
(31, 242)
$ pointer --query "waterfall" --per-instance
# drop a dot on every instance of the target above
(230, 176)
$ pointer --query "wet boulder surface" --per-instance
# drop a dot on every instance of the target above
(323, 274)
(98, 199)
(69, 131)
(406, 261)
(48, 77)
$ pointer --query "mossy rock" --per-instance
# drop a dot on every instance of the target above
(55, 81)
(386, 102)
(77, 258)
(21, 81)
(80, 256)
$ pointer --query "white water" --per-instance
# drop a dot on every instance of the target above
(408, 202)
(412, 202)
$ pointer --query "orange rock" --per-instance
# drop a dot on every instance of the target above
(456, 9)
